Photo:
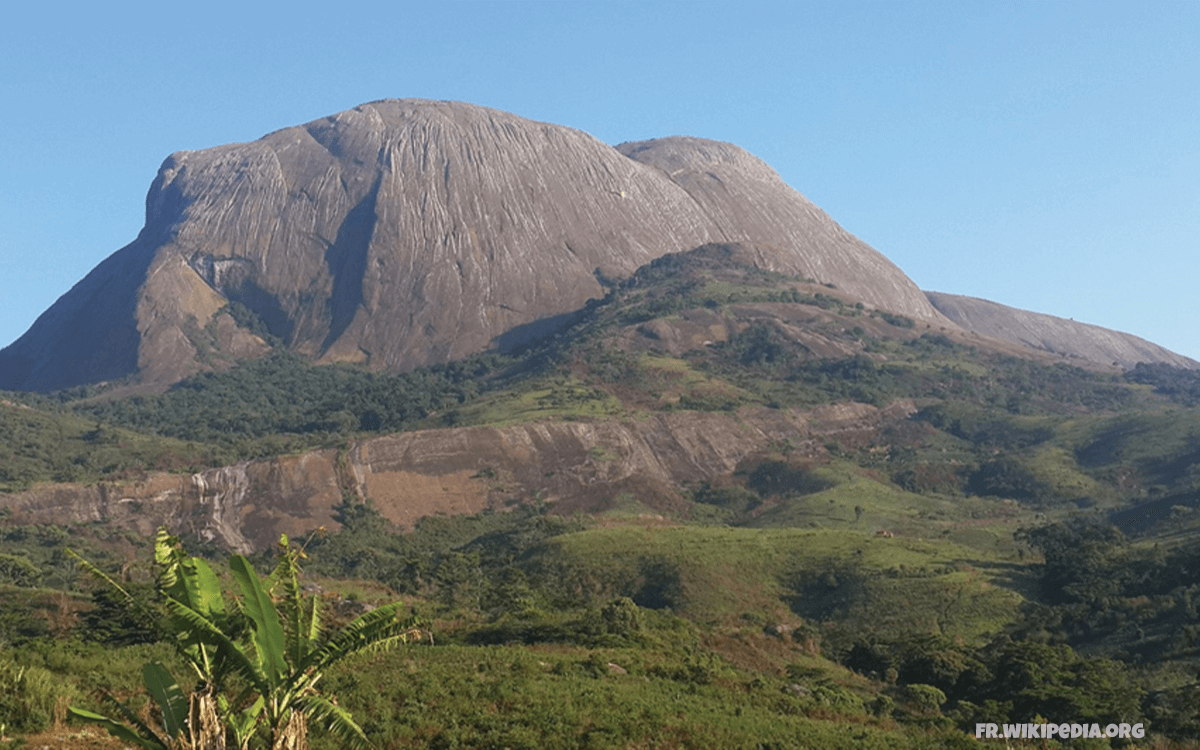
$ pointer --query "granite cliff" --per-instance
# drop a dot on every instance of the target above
(1049, 333)
(409, 232)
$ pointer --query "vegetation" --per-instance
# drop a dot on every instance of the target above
(284, 393)
(278, 649)
(44, 444)
(550, 633)
(1018, 546)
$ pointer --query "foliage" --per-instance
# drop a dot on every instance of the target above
(43, 444)
(278, 651)
(125, 617)
(782, 478)
(1156, 451)
(1180, 385)
(456, 560)
(624, 631)
(1016, 680)
(19, 571)
(284, 393)
(668, 697)
(1101, 593)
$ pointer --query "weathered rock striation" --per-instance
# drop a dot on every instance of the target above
(748, 202)
(572, 465)
(1054, 334)
(410, 232)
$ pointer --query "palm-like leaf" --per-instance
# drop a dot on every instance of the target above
(101, 575)
(204, 589)
(243, 722)
(171, 700)
(188, 579)
(205, 631)
(282, 661)
(314, 623)
(378, 629)
(268, 638)
(336, 719)
(191, 581)
(141, 733)
(120, 731)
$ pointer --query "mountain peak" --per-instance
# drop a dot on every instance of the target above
(409, 232)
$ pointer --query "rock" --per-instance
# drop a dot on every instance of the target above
(245, 507)
(1073, 340)
(779, 630)
(410, 232)
(750, 203)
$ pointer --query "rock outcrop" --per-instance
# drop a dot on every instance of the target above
(409, 232)
(1052, 334)
(572, 465)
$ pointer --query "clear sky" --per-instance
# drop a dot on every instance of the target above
(1045, 155)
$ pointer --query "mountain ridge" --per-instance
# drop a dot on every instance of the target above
(1054, 334)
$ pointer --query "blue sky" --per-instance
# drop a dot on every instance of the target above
(1043, 155)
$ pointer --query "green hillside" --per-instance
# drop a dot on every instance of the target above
(1012, 538)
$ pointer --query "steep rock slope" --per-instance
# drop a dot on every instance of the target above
(409, 232)
(573, 465)
(749, 202)
(1053, 334)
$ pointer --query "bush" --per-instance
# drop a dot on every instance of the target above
(622, 618)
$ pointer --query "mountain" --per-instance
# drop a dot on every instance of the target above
(757, 470)
(409, 232)
(700, 373)
(1053, 334)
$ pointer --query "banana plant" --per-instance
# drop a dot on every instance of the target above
(276, 643)
(286, 652)
(194, 722)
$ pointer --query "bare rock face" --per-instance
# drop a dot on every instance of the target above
(242, 507)
(409, 232)
(1053, 334)
(573, 465)
(748, 202)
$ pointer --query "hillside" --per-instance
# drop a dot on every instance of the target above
(736, 494)
(720, 506)
(699, 370)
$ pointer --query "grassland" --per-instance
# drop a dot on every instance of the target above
(843, 579)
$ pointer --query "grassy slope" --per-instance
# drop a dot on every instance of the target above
(37, 445)
(569, 697)
(853, 579)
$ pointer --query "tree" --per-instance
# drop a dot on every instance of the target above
(272, 639)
